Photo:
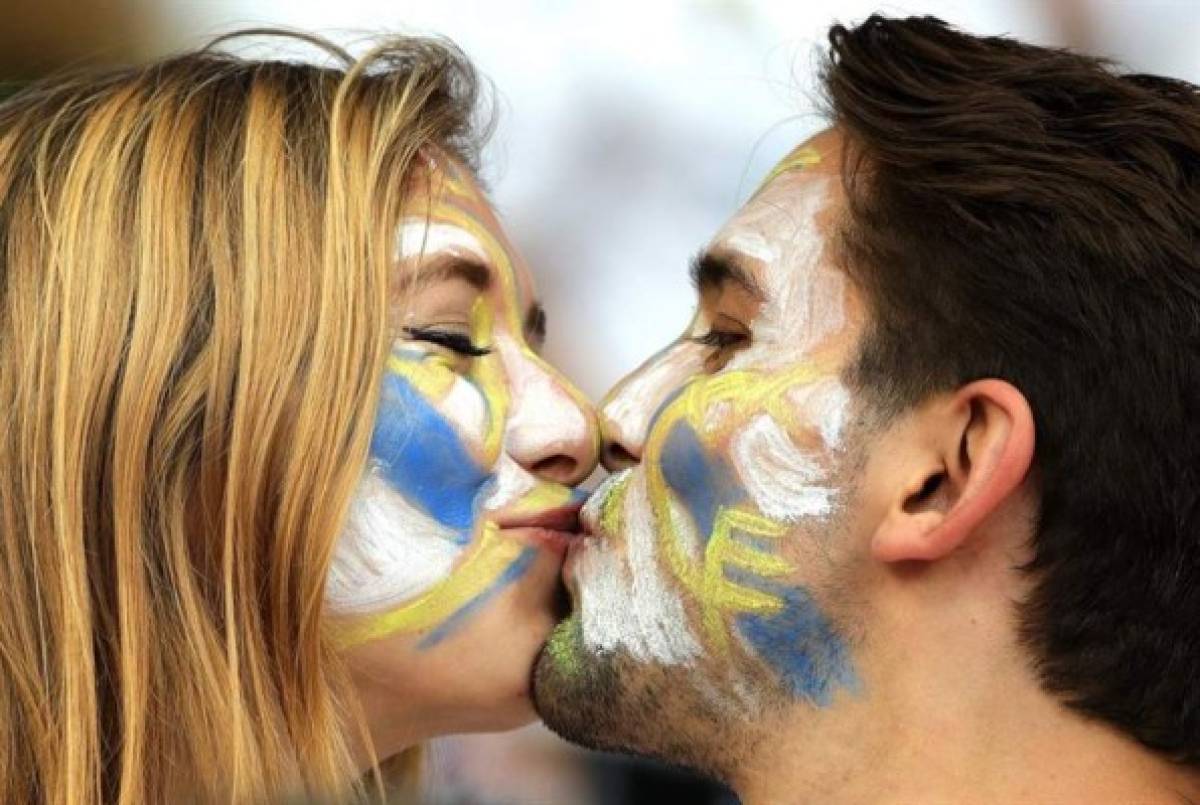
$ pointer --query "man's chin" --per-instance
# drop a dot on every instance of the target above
(606, 700)
(574, 689)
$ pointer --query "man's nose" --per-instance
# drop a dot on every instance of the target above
(623, 424)
(627, 412)
(619, 448)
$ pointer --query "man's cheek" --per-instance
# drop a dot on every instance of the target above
(726, 484)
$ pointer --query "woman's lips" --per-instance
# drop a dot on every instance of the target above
(554, 529)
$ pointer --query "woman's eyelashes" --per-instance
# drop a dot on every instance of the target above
(458, 343)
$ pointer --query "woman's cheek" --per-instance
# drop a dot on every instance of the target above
(426, 442)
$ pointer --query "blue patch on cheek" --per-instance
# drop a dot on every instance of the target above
(798, 642)
(424, 458)
(702, 482)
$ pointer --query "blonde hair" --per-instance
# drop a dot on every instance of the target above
(194, 262)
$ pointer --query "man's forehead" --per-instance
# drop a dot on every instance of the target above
(781, 209)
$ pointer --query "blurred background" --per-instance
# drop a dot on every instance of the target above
(627, 132)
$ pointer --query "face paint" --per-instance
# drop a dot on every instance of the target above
(421, 553)
(736, 468)
(638, 613)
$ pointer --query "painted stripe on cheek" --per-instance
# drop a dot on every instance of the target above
(424, 458)
(702, 482)
(798, 642)
(516, 570)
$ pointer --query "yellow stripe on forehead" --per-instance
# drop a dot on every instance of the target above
(804, 156)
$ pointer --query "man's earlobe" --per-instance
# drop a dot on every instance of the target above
(976, 450)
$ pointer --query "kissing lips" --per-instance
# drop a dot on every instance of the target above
(554, 529)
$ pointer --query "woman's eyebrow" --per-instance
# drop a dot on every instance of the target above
(450, 266)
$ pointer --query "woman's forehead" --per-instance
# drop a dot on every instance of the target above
(446, 193)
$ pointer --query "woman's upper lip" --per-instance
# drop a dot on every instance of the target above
(560, 518)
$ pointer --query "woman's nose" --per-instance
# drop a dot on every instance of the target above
(551, 430)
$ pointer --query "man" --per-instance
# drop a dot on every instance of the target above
(912, 512)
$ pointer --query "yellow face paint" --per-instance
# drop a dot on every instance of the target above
(804, 156)
(744, 394)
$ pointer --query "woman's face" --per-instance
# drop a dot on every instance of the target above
(446, 581)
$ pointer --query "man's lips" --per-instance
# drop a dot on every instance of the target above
(552, 528)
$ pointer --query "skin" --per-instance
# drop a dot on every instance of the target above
(818, 597)
(444, 584)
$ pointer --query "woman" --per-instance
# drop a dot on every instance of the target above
(283, 481)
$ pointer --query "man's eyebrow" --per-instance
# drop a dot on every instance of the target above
(712, 269)
(447, 266)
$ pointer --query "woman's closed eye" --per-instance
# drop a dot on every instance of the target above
(458, 343)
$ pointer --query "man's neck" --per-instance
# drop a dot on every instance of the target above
(979, 764)
(971, 726)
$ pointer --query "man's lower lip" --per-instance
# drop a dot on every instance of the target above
(554, 541)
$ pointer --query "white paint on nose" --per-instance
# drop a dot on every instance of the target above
(628, 411)
(545, 419)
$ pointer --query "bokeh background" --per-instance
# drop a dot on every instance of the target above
(626, 133)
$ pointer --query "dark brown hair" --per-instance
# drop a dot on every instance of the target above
(1030, 214)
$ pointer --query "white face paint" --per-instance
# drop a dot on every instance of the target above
(627, 409)
(389, 553)
(804, 304)
(544, 413)
(630, 605)
(420, 236)
(785, 482)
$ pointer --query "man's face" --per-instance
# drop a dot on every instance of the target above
(703, 598)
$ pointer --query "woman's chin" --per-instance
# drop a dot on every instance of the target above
(478, 676)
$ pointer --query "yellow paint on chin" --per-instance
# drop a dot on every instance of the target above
(749, 393)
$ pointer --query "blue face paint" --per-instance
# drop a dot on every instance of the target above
(516, 570)
(424, 459)
(702, 482)
(799, 643)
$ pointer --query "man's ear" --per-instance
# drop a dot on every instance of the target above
(972, 452)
